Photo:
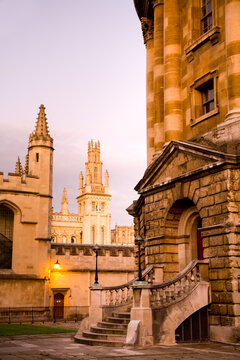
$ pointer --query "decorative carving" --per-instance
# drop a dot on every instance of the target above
(147, 29)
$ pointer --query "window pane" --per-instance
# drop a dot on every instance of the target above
(211, 105)
(209, 22)
(210, 94)
(209, 6)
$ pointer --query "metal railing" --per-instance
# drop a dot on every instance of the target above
(42, 314)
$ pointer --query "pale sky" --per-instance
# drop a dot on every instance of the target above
(85, 61)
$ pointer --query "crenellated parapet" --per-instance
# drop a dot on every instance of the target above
(81, 257)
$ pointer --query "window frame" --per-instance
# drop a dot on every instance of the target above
(196, 91)
(208, 15)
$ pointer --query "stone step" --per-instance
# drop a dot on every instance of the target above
(99, 336)
(103, 330)
(112, 325)
(118, 320)
(125, 315)
(98, 342)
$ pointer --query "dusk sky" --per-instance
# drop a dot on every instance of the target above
(85, 61)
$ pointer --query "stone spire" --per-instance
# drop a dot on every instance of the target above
(64, 203)
(41, 131)
(18, 168)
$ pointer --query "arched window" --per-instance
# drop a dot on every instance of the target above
(6, 237)
(95, 174)
(102, 235)
(93, 235)
(64, 239)
(54, 238)
(73, 240)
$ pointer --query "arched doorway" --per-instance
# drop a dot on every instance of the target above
(183, 223)
(6, 236)
(58, 310)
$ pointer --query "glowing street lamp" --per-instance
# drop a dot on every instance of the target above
(56, 265)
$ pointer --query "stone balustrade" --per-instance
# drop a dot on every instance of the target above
(179, 286)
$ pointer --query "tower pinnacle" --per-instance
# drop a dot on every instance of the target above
(18, 168)
(64, 203)
(41, 131)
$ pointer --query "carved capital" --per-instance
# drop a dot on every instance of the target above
(147, 29)
(157, 2)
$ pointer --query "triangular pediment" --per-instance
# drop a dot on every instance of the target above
(178, 160)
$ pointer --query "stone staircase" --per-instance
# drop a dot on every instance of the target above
(110, 332)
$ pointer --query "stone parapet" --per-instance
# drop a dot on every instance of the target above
(81, 257)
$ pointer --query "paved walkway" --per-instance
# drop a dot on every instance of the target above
(63, 347)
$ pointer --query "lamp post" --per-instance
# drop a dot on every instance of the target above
(96, 249)
(56, 265)
(139, 241)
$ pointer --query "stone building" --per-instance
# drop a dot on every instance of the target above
(29, 276)
(25, 223)
(189, 200)
(91, 225)
(122, 235)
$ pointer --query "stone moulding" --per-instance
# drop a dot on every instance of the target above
(212, 35)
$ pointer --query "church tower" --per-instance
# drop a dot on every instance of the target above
(39, 163)
(25, 206)
(94, 199)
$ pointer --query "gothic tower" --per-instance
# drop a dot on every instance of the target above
(25, 221)
(94, 199)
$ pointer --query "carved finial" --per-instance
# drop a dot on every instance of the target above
(18, 168)
(41, 129)
(98, 145)
(147, 29)
(106, 178)
(64, 203)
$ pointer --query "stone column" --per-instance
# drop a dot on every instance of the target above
(158, 75)
(232, 23)
(173, 123)
(147, 29)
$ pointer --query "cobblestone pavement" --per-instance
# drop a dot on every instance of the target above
(63, 347)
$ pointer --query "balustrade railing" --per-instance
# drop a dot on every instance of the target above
(123, 294)
(169, 291)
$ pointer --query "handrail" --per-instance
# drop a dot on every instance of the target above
(179, 276)
(169, 291)
(144, 274)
